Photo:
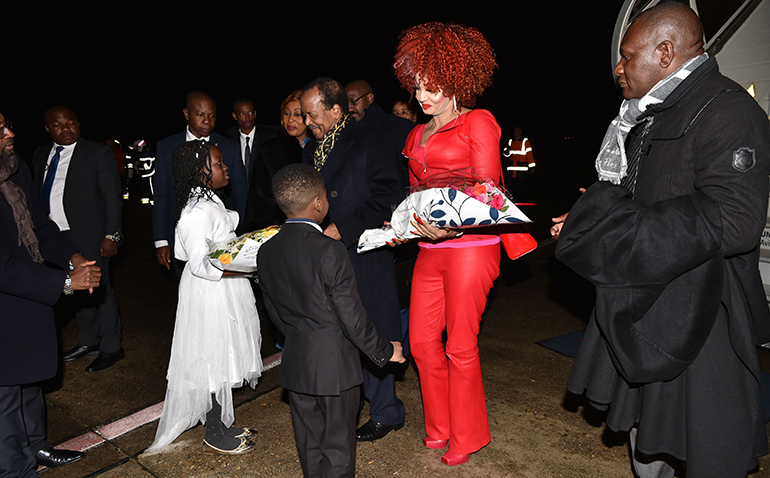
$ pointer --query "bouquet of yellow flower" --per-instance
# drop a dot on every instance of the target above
(240, 254)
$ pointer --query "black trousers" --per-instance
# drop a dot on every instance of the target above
(380, 389)
(325, 431)
(22, 429)
(97, 314)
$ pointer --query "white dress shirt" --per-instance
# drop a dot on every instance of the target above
(188, 136)
(57, 214)
(243, 142)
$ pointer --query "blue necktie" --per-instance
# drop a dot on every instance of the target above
(45, 192)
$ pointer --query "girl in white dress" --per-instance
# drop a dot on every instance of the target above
(216, 336)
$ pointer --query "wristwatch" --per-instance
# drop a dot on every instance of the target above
(68, 285)
(115, 237)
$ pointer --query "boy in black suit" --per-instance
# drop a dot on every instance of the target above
(310, 292)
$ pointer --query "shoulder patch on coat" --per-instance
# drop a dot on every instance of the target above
(744, 159)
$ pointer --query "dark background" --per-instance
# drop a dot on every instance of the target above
(126, 67)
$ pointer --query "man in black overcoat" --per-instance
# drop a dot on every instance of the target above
(37, 265)
(363, 181)
(379, 386)
(366, 111)
(673, 248)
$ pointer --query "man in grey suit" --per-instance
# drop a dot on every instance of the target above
(80, 183)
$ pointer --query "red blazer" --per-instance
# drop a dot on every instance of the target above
(471, 141)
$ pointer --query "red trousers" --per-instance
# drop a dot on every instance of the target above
(449, 291)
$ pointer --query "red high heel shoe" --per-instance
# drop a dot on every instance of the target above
(451, 458)
(434, 443)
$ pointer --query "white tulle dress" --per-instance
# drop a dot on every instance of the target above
(217, 340)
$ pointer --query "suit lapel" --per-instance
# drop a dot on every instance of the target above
(39, 164)
(254, 148)
(74, 174)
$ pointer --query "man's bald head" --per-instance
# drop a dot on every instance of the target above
(53, 110)
(201, 113)
(360, 97)
(677, 23)
(656, 44)
(198, 95)
(362, 85)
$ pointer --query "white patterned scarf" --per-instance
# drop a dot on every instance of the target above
(611, 164)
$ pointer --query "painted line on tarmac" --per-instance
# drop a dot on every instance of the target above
(126, 424)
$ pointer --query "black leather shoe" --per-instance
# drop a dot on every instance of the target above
(105, 360)
(53, 458)
(79, 351)
(372, 430)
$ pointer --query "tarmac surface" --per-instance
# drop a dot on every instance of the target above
(538, 430)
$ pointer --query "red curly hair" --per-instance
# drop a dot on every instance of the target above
(453, 58)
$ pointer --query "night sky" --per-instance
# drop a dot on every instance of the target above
(126, 68)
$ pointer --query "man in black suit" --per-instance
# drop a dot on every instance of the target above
(200, 111)
(80, 183)
(249, 135)
(363, 181)
(29, 288)
(310, 293)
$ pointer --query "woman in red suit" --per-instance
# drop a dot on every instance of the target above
(448, 66)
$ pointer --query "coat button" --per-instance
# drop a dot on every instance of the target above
(333, 194)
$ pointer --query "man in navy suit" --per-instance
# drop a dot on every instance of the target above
(363, 180)
(80, 184)
(201, 114)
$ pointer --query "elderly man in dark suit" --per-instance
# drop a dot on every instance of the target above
(80, 184)
(29, 288)
(200, 111)
(363, 181)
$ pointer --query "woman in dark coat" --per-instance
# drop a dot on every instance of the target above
(277, 152)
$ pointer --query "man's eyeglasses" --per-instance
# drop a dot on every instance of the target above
(355, 101)
(6, 129)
